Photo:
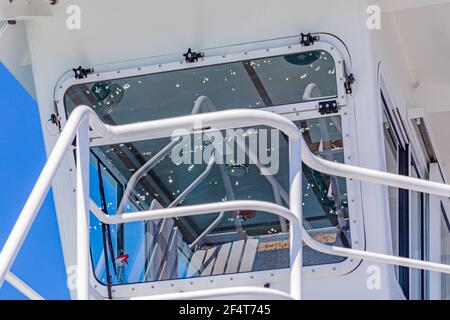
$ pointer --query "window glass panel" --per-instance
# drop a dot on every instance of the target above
(391, 153)
(390, 141)
(241, 241)
(325, 202)
(398, 162)
(416, 217)
(111, 190)
(248, 241)
(255, 83)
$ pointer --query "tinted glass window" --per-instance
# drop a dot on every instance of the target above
(218, 243)
(257, 83)
(151, 245)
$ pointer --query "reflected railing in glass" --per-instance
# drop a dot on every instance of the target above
(220, 243)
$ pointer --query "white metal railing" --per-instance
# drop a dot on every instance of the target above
(201, 209)
(21, 286)
(194, 210)
(229, 293)
(78, 127)
(204, 104)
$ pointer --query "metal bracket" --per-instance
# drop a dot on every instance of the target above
(349, 80)
(307, 40)
(55, 117)
(328, 107)
(25, 10)
(56, 120)
(81, 73)
(191, 56)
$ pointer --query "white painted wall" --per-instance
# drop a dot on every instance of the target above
(14, 55)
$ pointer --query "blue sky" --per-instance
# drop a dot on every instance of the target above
(22, 156)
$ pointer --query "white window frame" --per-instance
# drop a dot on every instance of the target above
(296, 111)
(435, 233)
(68, 81)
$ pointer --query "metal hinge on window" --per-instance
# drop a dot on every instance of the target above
(55, 118)
(308, 39)
(328, 107)
(349, 80)
(81, 73)
(191, 56)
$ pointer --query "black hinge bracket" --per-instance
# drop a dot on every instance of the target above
(308, 39)
(349, 80)
(55, 118)
(328, 107)
(81, 73)
(191, 56)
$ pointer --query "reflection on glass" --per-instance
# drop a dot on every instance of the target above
(222, 242)
(325, 198)
(218, 243)
(255, 83)
(391, 145)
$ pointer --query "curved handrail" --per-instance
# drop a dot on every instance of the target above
(40, 190)
(208, 230)
(195, 183)
(138, 175)
(269, 208)
(279, 194)
(338, 169)
(80, 117)
(263, 293)
(219, 121)
(372, 176)
(244, 118)
(194, 210)
(372, 256)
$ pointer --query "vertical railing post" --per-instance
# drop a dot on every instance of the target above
(34, 202)
(82, 211)
(295, 205)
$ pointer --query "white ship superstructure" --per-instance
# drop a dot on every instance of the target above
(240, 149)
